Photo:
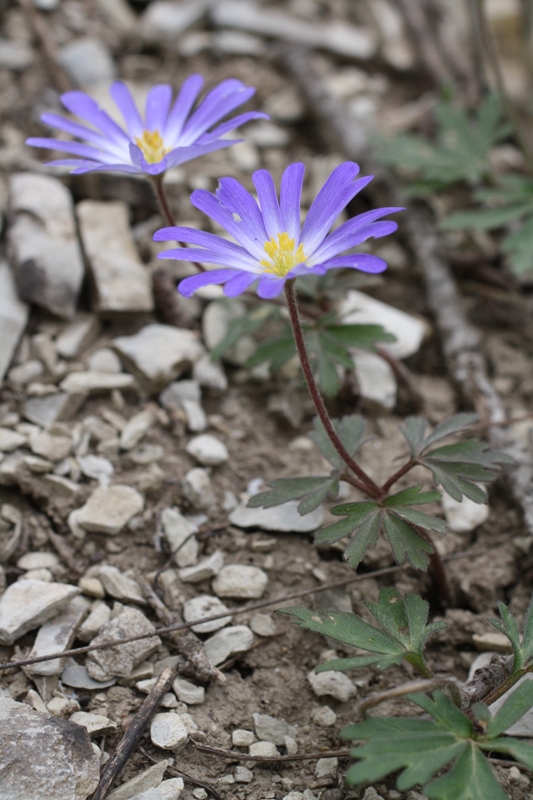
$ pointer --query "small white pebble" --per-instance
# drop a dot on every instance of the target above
(265, 749)
(242, 738)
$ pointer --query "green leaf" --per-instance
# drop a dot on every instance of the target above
(485, 219)
(365, 337)
(527, 643)
(518, 246)
(243, 325)
(455, 424)
(519, 701)
(276, 351)
(364, 537)
(406, 542)
(471, 778)
(350, 431)
(313, 491)
(414, 496)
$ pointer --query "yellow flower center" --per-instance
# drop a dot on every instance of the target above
(283, 256)
(152, 146)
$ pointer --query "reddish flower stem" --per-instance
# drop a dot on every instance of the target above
(363, 482)
(397, 475)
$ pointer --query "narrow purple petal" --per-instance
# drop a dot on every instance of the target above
(268, 288)
(230, 125)
(268, 200)
(188, 286)
(233, 196)
(82, 132)
(83, 166)
(181, 108)
(179, 155)
(341, 240)
(361, 261)
(157, 106)
(76, 148)
(334, 196)
(239, 284)
(124, 101)
(289, 200)
(85, 107)
(231, 220)
(208, 240)
(210, 257)
(220, 101)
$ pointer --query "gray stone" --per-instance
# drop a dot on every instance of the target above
(104, 360)
(205, 605)
(165, 21)
(263, 625)
(97, 382)
(168, 732)
(27, 604)
(241, 582)
(243, 775)
(263, 749)
(10, 440)
(59, 407)
(326, 766)
(332, 683)
(43, 243)
(121, 281)
(376, 382)
(44, 757)
(76, 676)
(158, 354)
(197, 489)
(210, 374)
(227, 642)
(324, 716)
(196, 418)
(78, 335)
(242, 738)
(109, 509)
(270, 729)
(170, 789)
(62, 487)
(463, 516)
(120, 661)
(101, 469)
(284, 518)
(26, 372)
(208, 450)
(119, 586)
(15, 56)
(87, 61)
(13, 317)
(37, 560)
(204, 570)
(188, 693)
(38, 465)
(94, 723)
(178, 391)
(56, 635)
(135, 429)
(145, 454)
(53, 448)
(99, 615)
(180, 535)
(148, 779)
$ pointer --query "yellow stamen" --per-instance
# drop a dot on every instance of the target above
(283, 256)
(152, 146)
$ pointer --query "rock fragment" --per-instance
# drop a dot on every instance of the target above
(120, 586)
(332, 683)
(198, 490)
(158, 354)
(109, 509)
(241, 582)
(97, 382)
(135, 429)
(180, 535)
(119, 661)
(148, 779)
(168, 732)
(284, 518)
(187, 692)
(463, 516)
(204, 570)
(94, 723)
(13, 317)
(87, 61)
(270, 729)
(44, 757)
(56, 635)
(208, 450)
(59, 407)
(29, 603)
(121, 281)
(166, 21)
(77, 335)
(43, 244)
(227, 642)
(205, 605)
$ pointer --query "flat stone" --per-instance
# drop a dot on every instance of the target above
(121, 281)
(270, 729)
(188, 692)
(37, 560)
(26, 372)
(168, 732)
(135, 429)
(241, 582)
(208, 450)
(62, 487)
(77, 335)
(205, 605)
(358, 308)
(324, 717)
(45, 757)
(10, 440)
(148, 779)
(243, 775)
(210, 374)
(99, 615)
(263, 625)
(94, 723)
(204, 570)
(463, 516)
(97, 467)
(38, 465)
(109, 509)
(76, 676)
(180, 535)
(120, 661)
(165, 21)
(227, 642)
(54, 448)
(332, 683)
(242, 738)
(27, 604)
(145, 454)
(91, 587)
(170, 789)
(59, 407)
(493, 642)
(284, 518)
(43, 243)
(104, 360)
(376, 382)
(15, 55)
(263, 749)
(328, 766)
(158, 354)
(197, 489)
(56, 635)
(175, 393)
(13, 317)
(87, 61)
(97, 382)
(119, 585)
(195, 414)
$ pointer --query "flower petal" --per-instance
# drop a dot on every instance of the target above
(179, 155)
(76, 148)
(232, 222)
(336, 193)
(188, 286)
(244, 209)
(124, 101)
(341, 240)
(220, 101)
(268, 288)
(239, 284)
(362, 261)
(208, 240)
(85, 107)
(181, 108)
(157, 106)
(268, 200)
(231, 125)
(82, 132)
(210, 257)
(289, 200)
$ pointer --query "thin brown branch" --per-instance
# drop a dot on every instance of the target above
(232, 755)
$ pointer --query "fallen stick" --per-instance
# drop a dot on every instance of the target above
(133, 735)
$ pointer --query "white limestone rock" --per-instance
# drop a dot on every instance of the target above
(135, 429)
(180, 535)
(188, 692)
(77, 335)
(168, 732)
(208, 450)
(53, 448)
(148, 779)
(44, 411)
(170, 789)
(43, 243)
(197, 489)
(205, 605)
(27, 604)
(375, 380)
(43, 756)
(284, 518)
(100, 614)
(227, 642)
(240, 581)
(109, 509)
(210, 374)
(56, 635)
(120, 586)
(463, 516)
(263, 625)
(95, 724)
(205, 569)
(270, 729)
(96, 467)
(332, 683)
(10, 440)
(120, 661)
(13, 317)
(97, 382)
(263, 749)
(158, 354)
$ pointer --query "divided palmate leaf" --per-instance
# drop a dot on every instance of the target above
(421, 748)
(311, 492)
(402, 636)
(522, 646)
(350, 431)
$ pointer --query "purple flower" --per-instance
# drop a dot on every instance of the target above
(166, 137)
(271, 247)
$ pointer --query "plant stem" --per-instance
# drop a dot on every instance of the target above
(364, 482)
(164, 207)
(396, 477)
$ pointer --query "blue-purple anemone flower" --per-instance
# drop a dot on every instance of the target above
(271, 247)
(165, 137)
